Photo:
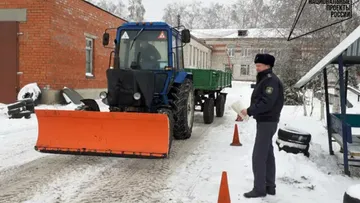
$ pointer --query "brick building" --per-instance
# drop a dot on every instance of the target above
(55, 43)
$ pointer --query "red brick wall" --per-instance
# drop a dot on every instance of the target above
(70, 21)
(52, 47)
(34, 44)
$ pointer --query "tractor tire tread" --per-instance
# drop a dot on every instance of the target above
(220, 105)
(179, 102)
(208, 113)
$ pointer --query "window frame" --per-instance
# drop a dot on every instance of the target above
(89, 65)
(247, 69)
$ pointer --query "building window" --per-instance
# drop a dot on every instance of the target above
(296, 52)
(229, 67)
(206, 55)
(204, 59)
(254, 52)
(244, 52)
(231, 50)
(194, 56)
(89, 57)
(198, 58)
(190, 55)
(245, 70)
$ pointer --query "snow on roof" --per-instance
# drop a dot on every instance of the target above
(339, 49)
(233, 33)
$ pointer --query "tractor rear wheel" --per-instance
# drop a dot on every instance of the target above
(183, 103)
(169, 113)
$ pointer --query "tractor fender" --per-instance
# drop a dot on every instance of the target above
(181, 76)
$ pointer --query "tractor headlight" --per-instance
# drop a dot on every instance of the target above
(137, 96)
(103, 95)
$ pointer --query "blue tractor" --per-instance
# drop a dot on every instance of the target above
(150, 98)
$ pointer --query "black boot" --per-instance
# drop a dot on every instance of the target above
(254, 194)
(270, 190)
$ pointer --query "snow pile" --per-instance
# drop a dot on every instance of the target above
(103, 107)
(32, 88)
(293, 129)
(3, 110)
(354, 191)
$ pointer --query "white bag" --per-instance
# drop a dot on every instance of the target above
(237, 107)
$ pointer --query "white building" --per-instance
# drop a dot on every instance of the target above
(236, 49)
(197, 54)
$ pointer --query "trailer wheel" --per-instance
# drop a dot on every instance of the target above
(220, 105)
(183, 103)
(169, 113)
(208, 113)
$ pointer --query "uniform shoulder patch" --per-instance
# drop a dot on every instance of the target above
(269, 90)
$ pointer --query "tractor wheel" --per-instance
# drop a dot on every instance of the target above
(169, 113)
(208, 114)
(220, 105)
(183, 109)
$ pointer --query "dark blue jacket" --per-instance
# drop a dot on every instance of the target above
(267, 99)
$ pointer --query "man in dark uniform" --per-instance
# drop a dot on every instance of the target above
(267, 101)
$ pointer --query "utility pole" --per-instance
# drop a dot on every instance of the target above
(178, 20)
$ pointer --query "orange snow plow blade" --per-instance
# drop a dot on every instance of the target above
(103, 133)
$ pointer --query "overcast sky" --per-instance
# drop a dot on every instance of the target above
(154, 8)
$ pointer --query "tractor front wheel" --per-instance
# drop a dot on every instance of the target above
(184, 108)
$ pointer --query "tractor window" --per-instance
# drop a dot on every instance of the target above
(174, 54)
(180, 53)
(149, 51)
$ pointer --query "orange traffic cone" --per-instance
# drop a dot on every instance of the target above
(236, 140)
(224, 194)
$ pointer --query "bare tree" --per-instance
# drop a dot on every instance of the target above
(116, 7)
(136, 10)
(192, 14)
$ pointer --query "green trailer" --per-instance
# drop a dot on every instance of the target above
(208, 84)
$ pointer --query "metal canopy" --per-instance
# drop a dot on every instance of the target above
(352, 56)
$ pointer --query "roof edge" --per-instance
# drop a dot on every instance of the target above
(201, 42)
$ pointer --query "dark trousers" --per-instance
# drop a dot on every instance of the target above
(263, 159)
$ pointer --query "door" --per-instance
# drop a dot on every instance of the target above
(8, 62)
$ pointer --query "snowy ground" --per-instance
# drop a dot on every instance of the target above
(191, 174)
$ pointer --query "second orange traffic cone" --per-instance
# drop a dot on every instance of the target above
(236, 140)
(224, 194)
